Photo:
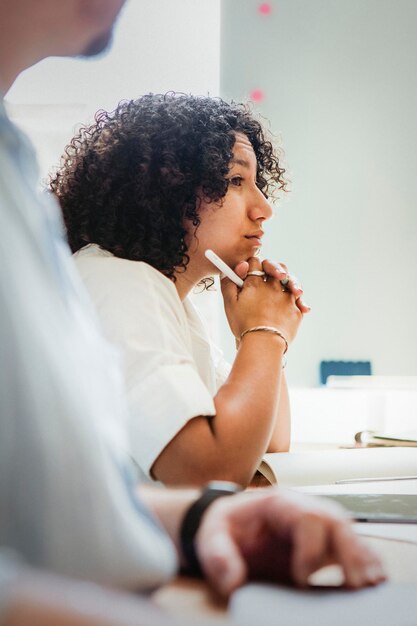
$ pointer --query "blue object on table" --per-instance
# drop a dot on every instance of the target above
(344, 368)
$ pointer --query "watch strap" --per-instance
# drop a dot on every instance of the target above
(192, 519)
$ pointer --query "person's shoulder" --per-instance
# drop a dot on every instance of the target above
(93, 262)
(97, 264)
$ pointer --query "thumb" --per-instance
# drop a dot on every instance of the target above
(242, 269)
(222, 562)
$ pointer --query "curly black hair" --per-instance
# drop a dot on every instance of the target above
(130, 180)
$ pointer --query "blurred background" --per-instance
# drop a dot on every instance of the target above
(337, 82)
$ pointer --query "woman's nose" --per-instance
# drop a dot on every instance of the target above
(260, 209)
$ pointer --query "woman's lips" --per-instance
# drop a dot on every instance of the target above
(255, 240)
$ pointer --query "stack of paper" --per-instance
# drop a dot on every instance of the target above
(337, 466)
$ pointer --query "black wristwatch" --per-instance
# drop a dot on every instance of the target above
(192, 518)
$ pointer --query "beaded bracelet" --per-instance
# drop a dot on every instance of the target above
(266, 329)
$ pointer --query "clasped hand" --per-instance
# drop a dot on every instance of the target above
(264, 302)
(279, 271)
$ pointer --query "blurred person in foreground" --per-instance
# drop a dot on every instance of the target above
(68, 502)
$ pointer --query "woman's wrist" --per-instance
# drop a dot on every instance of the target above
(269, 341)
(270, 331)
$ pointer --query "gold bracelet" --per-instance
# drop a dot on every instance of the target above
(266, 329)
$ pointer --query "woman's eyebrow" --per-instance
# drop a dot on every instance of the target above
(242, 162)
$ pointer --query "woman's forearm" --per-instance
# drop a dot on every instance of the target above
(230, 445)
(248, 403)
(281, 434)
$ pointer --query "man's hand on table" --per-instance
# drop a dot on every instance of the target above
(273, 534)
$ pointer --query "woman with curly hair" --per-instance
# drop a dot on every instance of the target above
(145, 191)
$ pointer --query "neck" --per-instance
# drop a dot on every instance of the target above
(188, 279)
(26, 37)
(19, 48)
(10, 68)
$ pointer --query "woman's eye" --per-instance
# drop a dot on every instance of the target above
(236, 181)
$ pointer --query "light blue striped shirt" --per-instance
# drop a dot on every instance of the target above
(65, 503)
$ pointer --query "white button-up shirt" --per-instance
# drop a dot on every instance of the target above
(171, 367)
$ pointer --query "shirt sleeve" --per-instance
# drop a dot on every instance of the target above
(218, 366)
(10, 568)
(142, 314)
(221, 366)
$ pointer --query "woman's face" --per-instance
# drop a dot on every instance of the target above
(233, 229)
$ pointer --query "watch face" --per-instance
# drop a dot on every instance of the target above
(223, 485)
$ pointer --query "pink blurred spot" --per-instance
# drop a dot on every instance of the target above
(257, 95)
(265, 8)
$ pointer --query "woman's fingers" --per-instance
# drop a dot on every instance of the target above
(242, 269)
(276, 270)
(254, 265)
(280, 271)
(304, 308)
(289, 282)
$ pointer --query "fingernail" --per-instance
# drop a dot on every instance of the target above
(355, 579)
(374, 572)
(303, 304)
(225, 579)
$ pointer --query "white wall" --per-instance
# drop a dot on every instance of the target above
(159, 45)
(340, 83)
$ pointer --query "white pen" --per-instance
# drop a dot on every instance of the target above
(373, 479)
(225, 269)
